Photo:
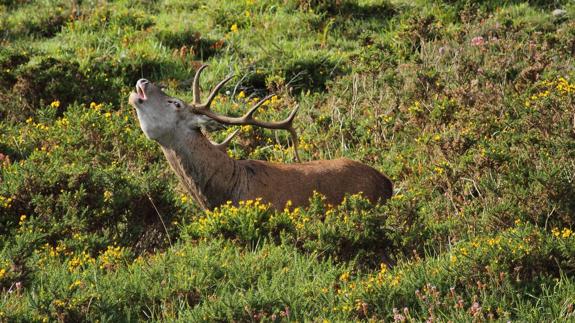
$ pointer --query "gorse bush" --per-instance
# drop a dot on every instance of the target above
(352, 230)
(57, 175)
(467, 106)
(178, 281)
(456, 282)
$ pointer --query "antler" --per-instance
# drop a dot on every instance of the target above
(246, 119)
(223, 146)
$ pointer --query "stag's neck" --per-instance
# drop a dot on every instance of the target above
(208, 173)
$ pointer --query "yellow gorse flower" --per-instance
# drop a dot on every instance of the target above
(110, 257)
(75, 284)
(344, 277)
(96, 106)
(108, 196)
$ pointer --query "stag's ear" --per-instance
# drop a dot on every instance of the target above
(209, 124)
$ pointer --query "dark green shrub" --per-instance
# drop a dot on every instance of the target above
(66, 180)
(189, 45)
(48, 79)
(10, 59)
(310, 73)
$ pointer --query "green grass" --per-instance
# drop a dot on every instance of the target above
(467, 106)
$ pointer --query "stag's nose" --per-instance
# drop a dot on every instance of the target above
(142, 82)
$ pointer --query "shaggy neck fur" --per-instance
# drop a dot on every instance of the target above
(208, 174)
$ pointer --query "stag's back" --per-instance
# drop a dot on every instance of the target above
(279, 183)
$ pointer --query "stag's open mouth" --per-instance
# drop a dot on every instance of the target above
(140, 91)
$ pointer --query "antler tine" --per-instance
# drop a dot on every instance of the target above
(286, 124)
(202, 106)
(196, 84)
(250, 113)
(224, 144)
(197, 104)
(293, 135)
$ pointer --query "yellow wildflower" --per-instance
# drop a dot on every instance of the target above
(110, 257)
(75, 284)
(453, 259)
(55, 104)
(274, 99)
(234, 28)
(395, 280)
(344, 277)
(415, 108)
(383, 268)
(95, 106)
(108, 196)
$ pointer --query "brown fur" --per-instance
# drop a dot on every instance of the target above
(297, 182)
(213, 178)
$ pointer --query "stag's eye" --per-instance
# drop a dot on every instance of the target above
(175, 103)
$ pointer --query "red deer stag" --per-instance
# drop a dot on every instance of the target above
(213, 178)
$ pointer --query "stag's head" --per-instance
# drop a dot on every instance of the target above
(160, 115)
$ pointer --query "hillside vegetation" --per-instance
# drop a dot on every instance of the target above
(467, 105)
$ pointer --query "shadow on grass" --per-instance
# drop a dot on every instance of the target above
(190, 43)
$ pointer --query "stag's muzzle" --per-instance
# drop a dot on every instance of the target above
(139, 96)
(141, 88)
